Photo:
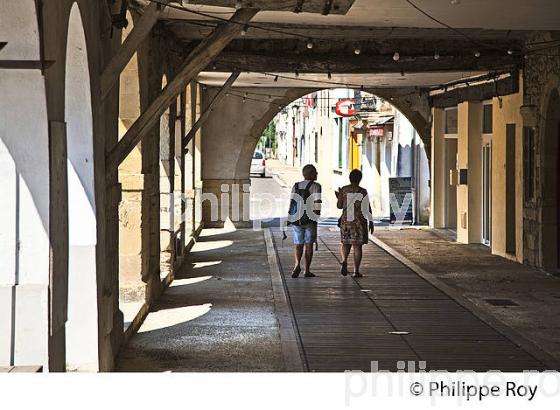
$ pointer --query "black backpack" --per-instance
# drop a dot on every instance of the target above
(295, 211)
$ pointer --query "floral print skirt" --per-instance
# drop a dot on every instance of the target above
(353, 233)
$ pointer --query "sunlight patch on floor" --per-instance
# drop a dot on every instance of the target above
(189, 281)
(172, 317)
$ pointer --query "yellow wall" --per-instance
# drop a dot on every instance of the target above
(355, 150)
(506, 110)
(508, 113)
(469, 150)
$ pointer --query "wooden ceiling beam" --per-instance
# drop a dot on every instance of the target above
(362, 64)
(481, 92)
(197, 60)
(188, 30)
(308, 6)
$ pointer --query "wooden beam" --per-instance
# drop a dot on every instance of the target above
(307, 6)
(206, 114)
(141, 29)
(362, 64)
(486, 91)
(197, 60)
(25, 64)
(188, 30)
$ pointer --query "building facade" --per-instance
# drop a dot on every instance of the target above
(375, 138)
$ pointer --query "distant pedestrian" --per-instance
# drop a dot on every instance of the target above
(355, 222)
(305, 209)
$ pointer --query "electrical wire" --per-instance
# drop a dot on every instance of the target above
(308, 38)
(213, 16)
(455, 30)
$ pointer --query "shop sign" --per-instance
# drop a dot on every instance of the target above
(345, 108)
(377, 131)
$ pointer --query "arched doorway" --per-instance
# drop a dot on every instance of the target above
(551, 185)
(82, 325)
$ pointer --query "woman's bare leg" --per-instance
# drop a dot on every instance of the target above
(298, 253)
(344, 252)
(357, 257)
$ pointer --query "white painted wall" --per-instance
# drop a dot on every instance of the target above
(24, 202)
(394, 156)
(81, 327)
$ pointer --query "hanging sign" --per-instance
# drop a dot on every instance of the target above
(376, 131)
(345, 108)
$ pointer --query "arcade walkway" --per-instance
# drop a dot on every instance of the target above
(225, 313)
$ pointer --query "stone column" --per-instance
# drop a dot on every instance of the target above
(224, 199)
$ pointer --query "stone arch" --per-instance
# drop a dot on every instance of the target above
(24, 180)
(82, 324)
(401, 103)
(550, 176)
(234, 129)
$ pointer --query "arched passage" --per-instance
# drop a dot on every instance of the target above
(235, 127)
(82, 325)
(551, 182)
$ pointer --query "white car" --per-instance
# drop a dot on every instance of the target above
(258, 164)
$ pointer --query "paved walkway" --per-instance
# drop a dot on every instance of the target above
(218, 315)
(525, 299)
(221, 314)
(390, 315)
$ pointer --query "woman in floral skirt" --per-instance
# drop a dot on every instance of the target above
(355, 222)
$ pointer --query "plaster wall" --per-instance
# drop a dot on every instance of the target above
(506, 110)
(24, 180)
(469, 196)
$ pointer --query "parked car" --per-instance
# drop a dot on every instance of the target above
(258, 164)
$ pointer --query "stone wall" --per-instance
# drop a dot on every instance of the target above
(540, 76)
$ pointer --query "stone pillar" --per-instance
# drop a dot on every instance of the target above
(224, 199)
(189, 167)
(150, 62)
(166, 190)
(197, 156)
(438, 170)
(469, 195)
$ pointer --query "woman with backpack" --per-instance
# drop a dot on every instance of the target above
(304, 225)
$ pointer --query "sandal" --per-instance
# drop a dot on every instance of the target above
(296, 272)
(357, 275)
(309, 275)
(344, 269)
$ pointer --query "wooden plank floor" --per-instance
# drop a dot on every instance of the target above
(345, 323)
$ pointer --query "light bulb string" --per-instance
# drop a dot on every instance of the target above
(315, 39)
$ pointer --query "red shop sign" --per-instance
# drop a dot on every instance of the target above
(377, 131)
(345, 108)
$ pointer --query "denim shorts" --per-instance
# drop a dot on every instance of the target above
(304, 234)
